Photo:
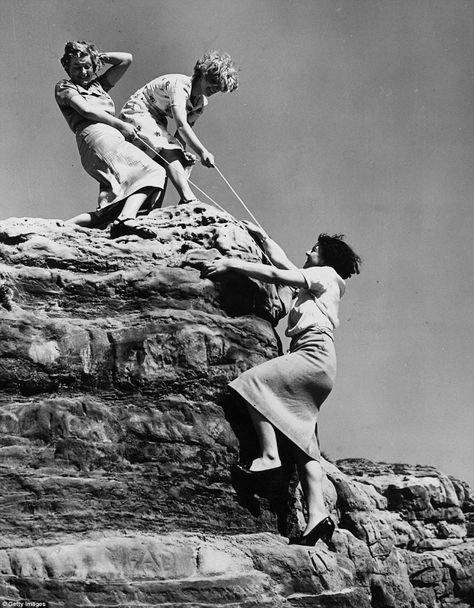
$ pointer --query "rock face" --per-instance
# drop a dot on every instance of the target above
(117, 436)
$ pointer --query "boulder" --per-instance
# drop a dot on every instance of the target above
(117, 436)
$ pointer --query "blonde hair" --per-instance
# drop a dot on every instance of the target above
(219, 68)
(80, 49)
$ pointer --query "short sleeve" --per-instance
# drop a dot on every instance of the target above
(317, 279)
(64, 91)
(179, 92)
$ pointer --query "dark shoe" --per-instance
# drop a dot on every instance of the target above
(245, 493)
(257, 475)
(324, 531)
(123, 228)
(195, 201)
(267, 484)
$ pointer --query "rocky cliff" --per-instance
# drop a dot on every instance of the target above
(117, 436)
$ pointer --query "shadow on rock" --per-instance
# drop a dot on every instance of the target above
(259, 494)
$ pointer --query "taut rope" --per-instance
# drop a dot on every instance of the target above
(155, 153)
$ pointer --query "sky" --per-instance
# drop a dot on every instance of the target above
(352, 116)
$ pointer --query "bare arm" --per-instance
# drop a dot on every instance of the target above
(262, 272)
(120, 63)
(84, 108)
(272, 250)
(186, 132)
(180, 139)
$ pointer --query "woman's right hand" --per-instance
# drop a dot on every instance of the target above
(127, 130)
(215, 268)
(207, 159)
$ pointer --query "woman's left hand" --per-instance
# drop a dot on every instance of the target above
(215, 268)
(127, 130)
(189, 159)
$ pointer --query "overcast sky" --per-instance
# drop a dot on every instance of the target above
(352, 116)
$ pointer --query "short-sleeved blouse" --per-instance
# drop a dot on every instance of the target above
(95, 93)
(317, 304)
(172, 90)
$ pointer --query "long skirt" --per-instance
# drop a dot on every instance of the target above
(120, 168)
(289, 390)
(152, 126)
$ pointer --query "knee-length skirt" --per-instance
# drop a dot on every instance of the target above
(289, 390)
(120, 168)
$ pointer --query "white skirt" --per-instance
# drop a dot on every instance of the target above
(120, 167)
(289, 390)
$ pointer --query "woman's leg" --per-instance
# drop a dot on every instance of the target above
(311, 476)
(83, 219)
(126, 224)
(129, 210)
(179, 179)
(177, 173)
(133, 203)
(269, 457)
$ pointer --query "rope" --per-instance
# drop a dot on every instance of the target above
(155, 153)
(246, 209)
(202, 191)
(206, 195)
(238, 198)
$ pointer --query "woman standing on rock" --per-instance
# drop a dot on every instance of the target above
(285, 393)
(130, 182)
(183, 99)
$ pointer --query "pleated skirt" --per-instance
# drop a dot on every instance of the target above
(289, 390)
(120, 167)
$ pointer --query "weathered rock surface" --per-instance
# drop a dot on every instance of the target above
(117, 436)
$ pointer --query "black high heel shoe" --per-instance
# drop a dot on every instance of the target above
(265, 483)
(245, 471)
(324, 531)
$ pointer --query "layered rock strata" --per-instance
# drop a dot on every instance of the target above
(117, 437)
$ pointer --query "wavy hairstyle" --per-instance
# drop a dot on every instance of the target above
(337, 254)
(218, 68)
(80, 49)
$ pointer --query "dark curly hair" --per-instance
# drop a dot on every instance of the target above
(337, 254)
(80, 49)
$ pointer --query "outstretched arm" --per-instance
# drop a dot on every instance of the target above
(262, 272)
(272, 250)
(184, 128)
(120, 63)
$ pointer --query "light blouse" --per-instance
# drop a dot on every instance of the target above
(95, 93)
(172, 90)
(317, 304)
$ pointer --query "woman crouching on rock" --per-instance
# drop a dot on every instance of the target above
(285, 393)
(130, 182)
